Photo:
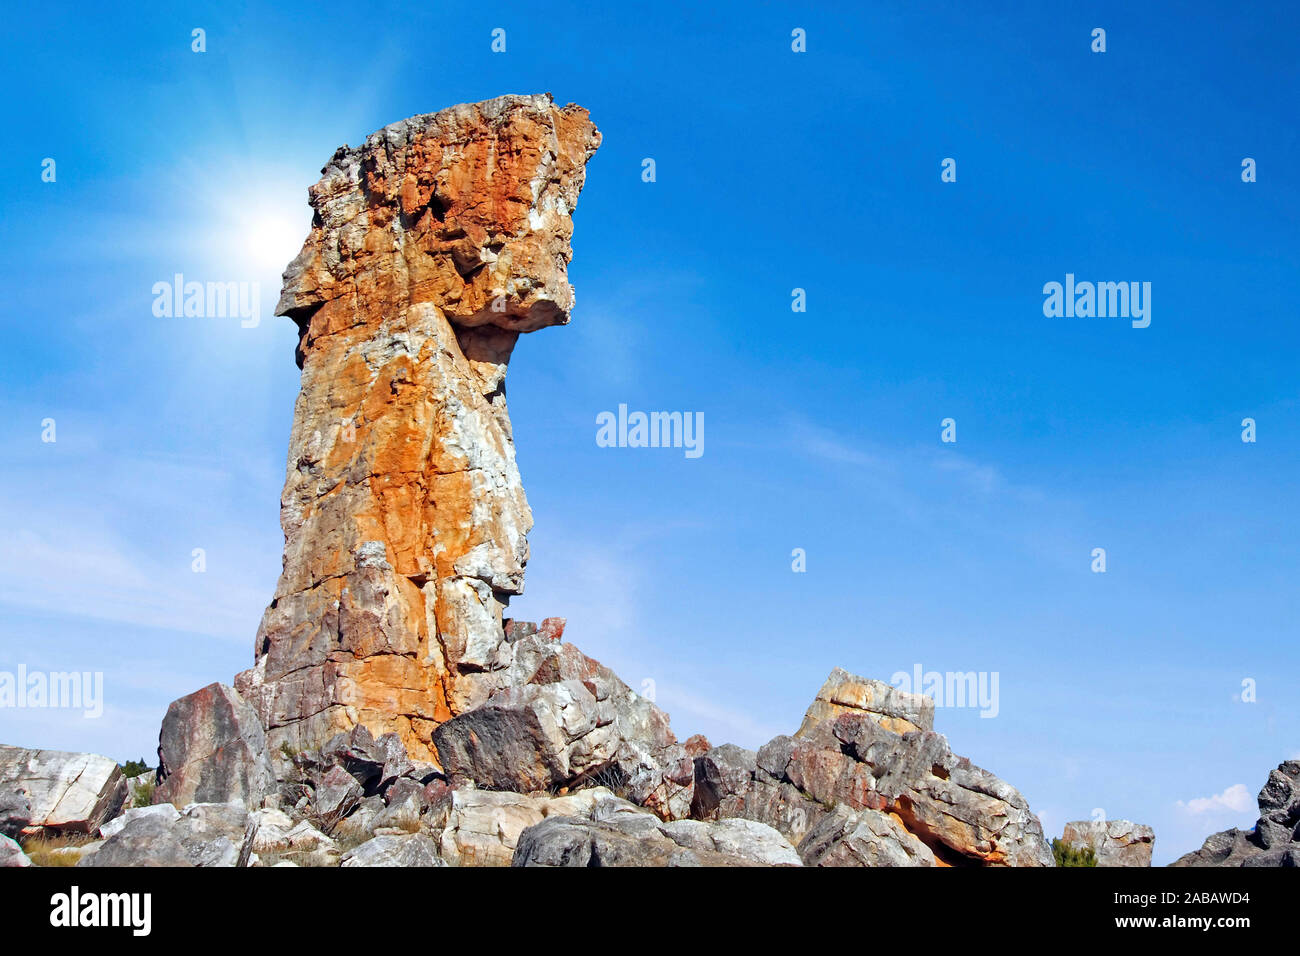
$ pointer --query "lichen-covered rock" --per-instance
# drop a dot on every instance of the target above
(1275, 840)
(65, 792)
(434, 245)
(1113, 842)
(212, 749)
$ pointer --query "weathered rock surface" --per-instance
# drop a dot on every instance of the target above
(845, 693)
(163, 811)
(411, 849)
(1113, 842)
(865, 837)
(337, 794)
(65, 792)
(434, 245)
(204, 834)
(276, 836)
(846, 754)
(556, 718)
(212, 749)
(15, 813)
(11, 854)
(482, 827)
(613, 835)
(1275, 841)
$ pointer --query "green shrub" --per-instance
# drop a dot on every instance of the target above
(1068, 855)
(144, 794)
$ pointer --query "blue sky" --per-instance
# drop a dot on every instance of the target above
(775, 170)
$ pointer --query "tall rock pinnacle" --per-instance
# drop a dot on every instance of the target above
(432, 247)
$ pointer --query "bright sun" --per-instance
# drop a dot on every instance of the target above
(272, 239)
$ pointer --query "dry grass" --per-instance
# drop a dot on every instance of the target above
(40, 849)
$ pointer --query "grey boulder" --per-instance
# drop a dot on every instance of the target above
(65, 792)
(212, 749)
(204, 834)
(406, 850)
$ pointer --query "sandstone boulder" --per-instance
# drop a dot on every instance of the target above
(212, 749)
(1113, 842)
(65, 792)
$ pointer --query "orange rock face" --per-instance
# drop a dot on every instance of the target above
(433, 246)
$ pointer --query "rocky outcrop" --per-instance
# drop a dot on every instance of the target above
(1113, 842)
(845, 755)
(562, 720)
(212, 749)
(433, 246)
(1275, 840)
(65, 792)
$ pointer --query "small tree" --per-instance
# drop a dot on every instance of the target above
(133, 768)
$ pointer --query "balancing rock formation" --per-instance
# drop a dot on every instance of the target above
(392, 707)
(433, 246)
